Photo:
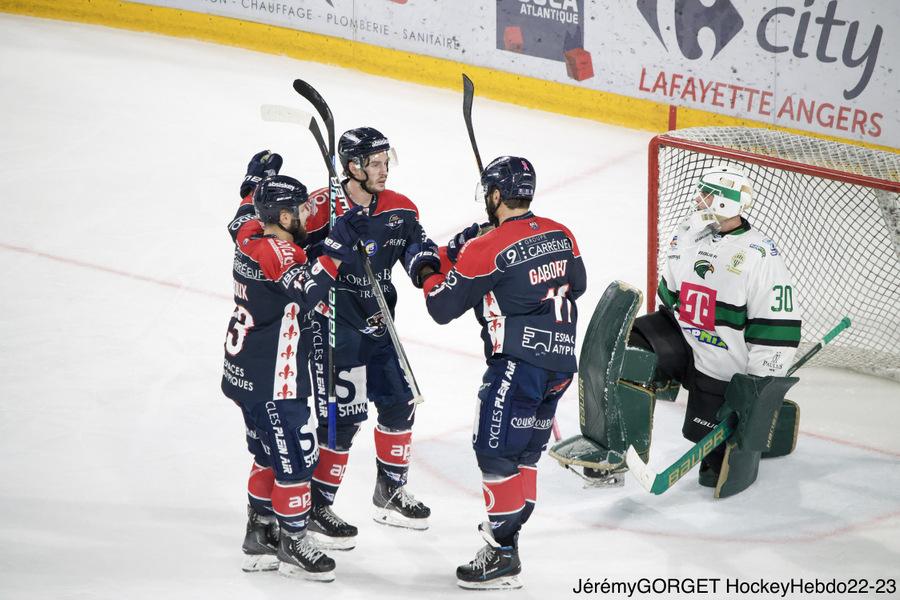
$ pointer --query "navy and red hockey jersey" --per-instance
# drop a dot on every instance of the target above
(274, 286)
(393, 224)
(522, 279)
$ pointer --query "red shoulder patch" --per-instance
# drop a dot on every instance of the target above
(390, 200)
(276, 256)
(479, 256)
(318, 210)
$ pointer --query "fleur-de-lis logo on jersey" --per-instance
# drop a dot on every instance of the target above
(291, 333)
(291, 314)
(702, 267)
(285, 392)
(286, 372)
(288, 353)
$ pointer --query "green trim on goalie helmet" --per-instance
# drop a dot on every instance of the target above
(705, 187)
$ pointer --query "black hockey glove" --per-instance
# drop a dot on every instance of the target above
(459, 240)
(263, 164)
(348, 229)
(419, 256)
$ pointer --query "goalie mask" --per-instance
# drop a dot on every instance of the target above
(729, 192)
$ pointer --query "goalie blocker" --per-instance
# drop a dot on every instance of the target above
(625, 363)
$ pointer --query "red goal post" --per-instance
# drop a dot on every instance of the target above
(834, 210)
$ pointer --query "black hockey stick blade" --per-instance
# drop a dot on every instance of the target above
(315, 98)
(468, 98)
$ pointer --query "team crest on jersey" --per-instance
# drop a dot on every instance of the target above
(674, 243)
(534, 225)
(736, 261)
(375, 325)
(705, 337)
(395, 221)
(760, 249)
(702, 267)
(371, 247)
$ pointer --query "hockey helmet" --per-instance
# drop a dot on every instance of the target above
(731, 190)
(276, 193)
(512, 175)
(356, 144)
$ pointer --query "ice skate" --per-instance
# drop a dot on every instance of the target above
(260, 543)
(395, 506)
(495, 567)
(329, 531)
(302, 559)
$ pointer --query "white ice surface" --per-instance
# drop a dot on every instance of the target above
(123, 467)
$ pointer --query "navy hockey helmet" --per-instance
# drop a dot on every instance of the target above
(356, 144)
(276, 193)
(514, 176)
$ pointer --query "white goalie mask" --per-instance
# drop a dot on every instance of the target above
(729, 190)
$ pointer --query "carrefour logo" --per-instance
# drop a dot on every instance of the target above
(805, 28)
(690, 17)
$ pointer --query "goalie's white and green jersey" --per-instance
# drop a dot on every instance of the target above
(734, 299)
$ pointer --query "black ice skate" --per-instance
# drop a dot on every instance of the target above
(495, 567)
(301, 558)
(261, 543)
(395, 506)
(330, 531)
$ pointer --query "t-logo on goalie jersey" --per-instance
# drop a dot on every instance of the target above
(522, 279)
(734, 299)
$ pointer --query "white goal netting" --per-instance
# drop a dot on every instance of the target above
(833, 208)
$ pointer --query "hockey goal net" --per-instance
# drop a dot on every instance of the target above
(833, 209)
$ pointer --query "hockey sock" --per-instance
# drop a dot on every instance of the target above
(505, 500)
(528, 475)
(392, 454)
(259, 489)
(328, 475)
(291, 502)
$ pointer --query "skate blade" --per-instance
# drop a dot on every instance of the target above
(259, 562)
(386, 516)
(326, 542)
(512, 582)
(295, 572)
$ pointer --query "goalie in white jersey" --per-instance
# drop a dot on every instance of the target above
(726, 289)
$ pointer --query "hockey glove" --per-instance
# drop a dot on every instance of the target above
(263, 164)
(348, 230)
(459, 240)
(419, 256)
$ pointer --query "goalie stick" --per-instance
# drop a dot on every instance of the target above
(658, 483)
(468, 99)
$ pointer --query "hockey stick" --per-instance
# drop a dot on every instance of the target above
(468, 99)
(657, 483)
(285, 114)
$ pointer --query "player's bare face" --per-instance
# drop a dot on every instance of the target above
(376, 170)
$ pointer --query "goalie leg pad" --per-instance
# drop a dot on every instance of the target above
(615, 408)
(757, 402)
(787, 428)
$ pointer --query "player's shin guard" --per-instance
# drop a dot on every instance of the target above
(330, 531)
(259, 489)
(392, 455)
(394, 505)
(528, 475)
(328, 475)
(292, 502)
(504, 499)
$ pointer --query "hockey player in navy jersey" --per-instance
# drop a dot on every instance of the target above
(265, 370)
(366, 361)
(522, 280)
